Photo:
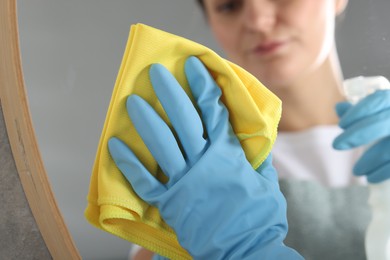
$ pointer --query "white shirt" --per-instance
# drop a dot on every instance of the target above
(308, 155)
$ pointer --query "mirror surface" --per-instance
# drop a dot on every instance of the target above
(71, 53)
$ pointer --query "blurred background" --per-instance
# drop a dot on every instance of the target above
(71, 52)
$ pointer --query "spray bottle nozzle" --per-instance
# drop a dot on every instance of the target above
(359, 87)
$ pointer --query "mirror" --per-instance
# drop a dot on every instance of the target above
(23, 219)
(71, 52)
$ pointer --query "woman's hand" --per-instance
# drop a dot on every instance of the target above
(365, 123)
(218, 205)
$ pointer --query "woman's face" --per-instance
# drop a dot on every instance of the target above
(278, 41)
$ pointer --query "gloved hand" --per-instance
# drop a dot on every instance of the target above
(218, 205)
(365, 123)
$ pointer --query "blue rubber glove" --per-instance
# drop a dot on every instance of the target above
(218, 205)
(365, 123)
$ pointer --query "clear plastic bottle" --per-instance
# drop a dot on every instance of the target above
(377, 240)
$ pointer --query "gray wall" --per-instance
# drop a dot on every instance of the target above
(363, 38)
(71, 55)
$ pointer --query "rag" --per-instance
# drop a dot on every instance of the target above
(254, 113)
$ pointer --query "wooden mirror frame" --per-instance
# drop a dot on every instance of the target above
(21, 135)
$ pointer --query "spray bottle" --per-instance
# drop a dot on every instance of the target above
(377, 240)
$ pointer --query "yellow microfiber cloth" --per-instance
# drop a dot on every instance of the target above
(254, 114)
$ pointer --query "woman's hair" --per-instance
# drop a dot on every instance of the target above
(201, 3)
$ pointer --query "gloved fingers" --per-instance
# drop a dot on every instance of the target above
(370, 105)
(143, 183)
(180, 110)
(374, 158)
(207, 94)
(158, 137)
(380, 174)
(364, 131)
(342, 107)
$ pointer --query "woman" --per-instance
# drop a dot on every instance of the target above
(290, 47)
